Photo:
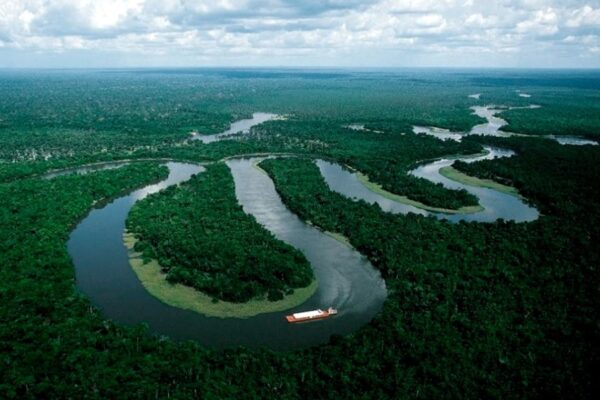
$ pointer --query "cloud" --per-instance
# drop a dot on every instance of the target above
(386, 32)
(481, 21)
(585, 16)
(542, 23)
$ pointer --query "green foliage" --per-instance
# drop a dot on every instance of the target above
(386, 157)
(474, 310)
(578, 115)
(483, 310)
(558, 184)
(203, 238)
(100, 115)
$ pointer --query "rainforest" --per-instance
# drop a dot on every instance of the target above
(451, 220)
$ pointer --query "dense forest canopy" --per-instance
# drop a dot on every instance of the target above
(499, 310)
(479, 292)
(202, 238)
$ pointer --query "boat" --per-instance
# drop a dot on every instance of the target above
(311, 315)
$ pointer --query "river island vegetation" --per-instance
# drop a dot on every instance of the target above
(202, 237)
(151, 275)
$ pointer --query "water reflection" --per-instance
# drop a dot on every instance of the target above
(241, 126)
(344, 182)
(574, 141)
(496, 204)
(178, 172)
(346, 279)
(493, 126)
(442, 134)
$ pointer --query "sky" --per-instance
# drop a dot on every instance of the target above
(302, 33)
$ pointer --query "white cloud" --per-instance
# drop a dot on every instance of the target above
(430, 21)
(478, 20)
(585, 16)
(393, 30)
(108, 14)
(542, 22)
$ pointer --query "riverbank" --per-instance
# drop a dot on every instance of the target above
(177, 295)
(456, 175)
(376, 188)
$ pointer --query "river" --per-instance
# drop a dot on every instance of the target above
(496, 204)
(346, 279)
(241, 126)
(493, 126)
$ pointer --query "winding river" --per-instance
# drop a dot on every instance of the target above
(497, 205)
(241, 126)
(493, 125)
(346, 279)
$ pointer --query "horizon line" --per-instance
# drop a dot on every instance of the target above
(292, 67)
